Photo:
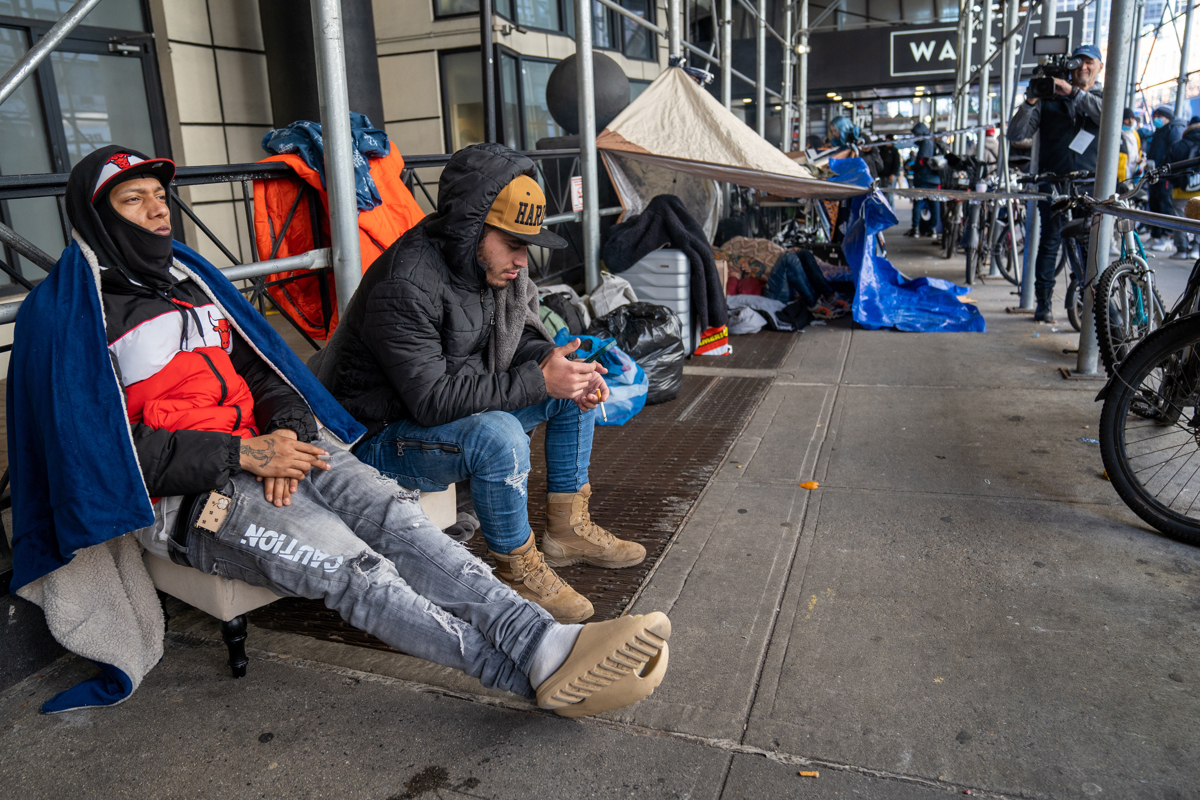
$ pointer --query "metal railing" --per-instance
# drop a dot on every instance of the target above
(555, 169)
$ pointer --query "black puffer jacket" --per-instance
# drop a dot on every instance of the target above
(412, 342)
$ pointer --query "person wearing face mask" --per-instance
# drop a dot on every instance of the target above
(1129, 164)
(150, 404)
(1167, 131)
(1069, 125)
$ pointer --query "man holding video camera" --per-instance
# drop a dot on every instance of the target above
(1068, 116)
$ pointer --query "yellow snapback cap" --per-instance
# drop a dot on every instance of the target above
(519, 210)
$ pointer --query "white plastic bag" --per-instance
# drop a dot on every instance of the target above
(613, 292)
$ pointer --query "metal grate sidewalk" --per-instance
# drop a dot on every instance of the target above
(645, 475)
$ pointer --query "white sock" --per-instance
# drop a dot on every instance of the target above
(552, 652)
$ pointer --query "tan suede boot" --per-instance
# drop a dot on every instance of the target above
(572, 537)
(525, 571)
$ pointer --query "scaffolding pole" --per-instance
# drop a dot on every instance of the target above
(1120, 32)
(1139, 20)
(486, 54)
(1033, 223)
(37, 54)
(966, 21)
(726, 54)
(785, 112)
(674, 30)
(1185, 56)
(802, 88)
(334, 100)
(760, 71)
(985, 78)
(585, 84)
(1007, 66)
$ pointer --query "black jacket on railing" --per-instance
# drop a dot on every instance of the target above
(411, 342)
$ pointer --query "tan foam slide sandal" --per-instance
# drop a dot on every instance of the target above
(614, 664)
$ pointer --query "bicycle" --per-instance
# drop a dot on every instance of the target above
(1073, 255)
(1000, 238)
(1128, 305)
(960, 172)
(1150, 428)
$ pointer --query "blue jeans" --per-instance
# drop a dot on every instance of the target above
(797, 275)
(361, 543)
(492, 449)
(935, 208)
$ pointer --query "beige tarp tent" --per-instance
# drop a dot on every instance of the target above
(675, 138)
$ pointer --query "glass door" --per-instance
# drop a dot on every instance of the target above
(99, 87)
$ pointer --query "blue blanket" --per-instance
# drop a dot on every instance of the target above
(884, 297)
(74, 473)
(305, 140)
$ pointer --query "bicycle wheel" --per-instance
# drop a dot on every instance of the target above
(1075, 304)
(1004, 256)
(1149, 433)
(951, 233)
(1124, 314)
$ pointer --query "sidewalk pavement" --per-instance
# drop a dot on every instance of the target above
(963, 606)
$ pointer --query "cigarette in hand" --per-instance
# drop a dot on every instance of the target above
(603, 410)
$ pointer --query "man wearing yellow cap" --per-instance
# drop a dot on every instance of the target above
(442, 356)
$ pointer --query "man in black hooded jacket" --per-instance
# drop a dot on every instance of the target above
(441, 355)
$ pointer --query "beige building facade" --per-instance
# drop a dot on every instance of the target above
(189, 79)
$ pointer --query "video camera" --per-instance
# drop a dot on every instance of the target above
(1054, 63)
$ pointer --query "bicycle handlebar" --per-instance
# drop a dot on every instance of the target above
(1058, 178)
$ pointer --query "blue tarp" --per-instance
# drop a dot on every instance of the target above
(884, 297)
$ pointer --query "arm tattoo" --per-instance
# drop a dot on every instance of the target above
(262, 455)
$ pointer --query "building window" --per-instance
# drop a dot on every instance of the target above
(638, 41)
(542, 14)
(124, 14)
(636, 88)
(536, 111)
(525, 114)
(603, 27)
(84, 97)
(462, 98)
(96, 110)
(454, 8)
(510, 102)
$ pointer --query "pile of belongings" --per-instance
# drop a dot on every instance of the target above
(749, 264)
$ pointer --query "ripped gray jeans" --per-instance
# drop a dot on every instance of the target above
(361, 543)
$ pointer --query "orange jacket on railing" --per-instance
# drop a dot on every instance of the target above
(377, 229)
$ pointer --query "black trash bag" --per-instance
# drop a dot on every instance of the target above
(650, 335)
(560, 303)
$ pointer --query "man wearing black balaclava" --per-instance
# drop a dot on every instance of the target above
(159, 404)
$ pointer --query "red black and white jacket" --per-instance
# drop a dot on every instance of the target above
(192, 392)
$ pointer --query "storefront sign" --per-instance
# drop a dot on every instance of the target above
(930, 51)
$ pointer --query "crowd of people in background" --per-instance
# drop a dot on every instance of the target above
(1060, 120)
